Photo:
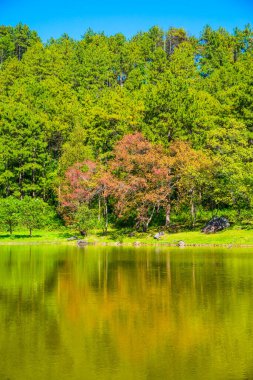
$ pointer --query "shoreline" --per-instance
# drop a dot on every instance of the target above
(124, 244)
(230, 238)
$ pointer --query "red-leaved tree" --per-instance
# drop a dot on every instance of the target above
(140, 178)
(81, 185)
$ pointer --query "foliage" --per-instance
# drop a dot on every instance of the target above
(193, 176)
(9, 213)
(86, 219)
(140, 177)
(33, 213)
(67, 104)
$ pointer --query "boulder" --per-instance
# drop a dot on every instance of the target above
(72, 238)
(215, 224)
(181, 243)
(81, 243)
(158, 235)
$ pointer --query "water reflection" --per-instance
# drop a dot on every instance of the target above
(121, 313)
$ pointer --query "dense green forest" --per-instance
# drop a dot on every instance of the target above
(156, 129)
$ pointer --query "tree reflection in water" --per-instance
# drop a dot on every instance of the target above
(125, 313)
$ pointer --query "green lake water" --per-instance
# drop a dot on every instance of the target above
(125, 313)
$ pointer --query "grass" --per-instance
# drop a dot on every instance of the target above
(235, 237)
(38, 236)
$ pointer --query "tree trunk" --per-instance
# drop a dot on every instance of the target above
(193, 212)
(106, 214)
(121, 80)
(44, 182)
(99, 208)
(30, 230)
(167, 217)
(145, 226)
(20, 180)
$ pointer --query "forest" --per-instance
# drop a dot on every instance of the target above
(155, 130)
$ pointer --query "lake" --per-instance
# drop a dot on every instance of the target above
(125, 313)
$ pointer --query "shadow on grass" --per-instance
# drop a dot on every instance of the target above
(121, 234)
(66, 234)
(12, 237)
(113, 235)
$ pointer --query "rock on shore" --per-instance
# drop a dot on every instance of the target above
(215, 224)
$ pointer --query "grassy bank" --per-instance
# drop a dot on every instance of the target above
(235, 237)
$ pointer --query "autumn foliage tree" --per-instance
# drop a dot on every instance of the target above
(78, 188)
(86, 183)
(141, 180)
(141, 176)
(137, 180)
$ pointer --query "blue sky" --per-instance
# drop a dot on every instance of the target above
(52, 18)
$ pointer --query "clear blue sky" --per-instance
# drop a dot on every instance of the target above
(52, 18)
